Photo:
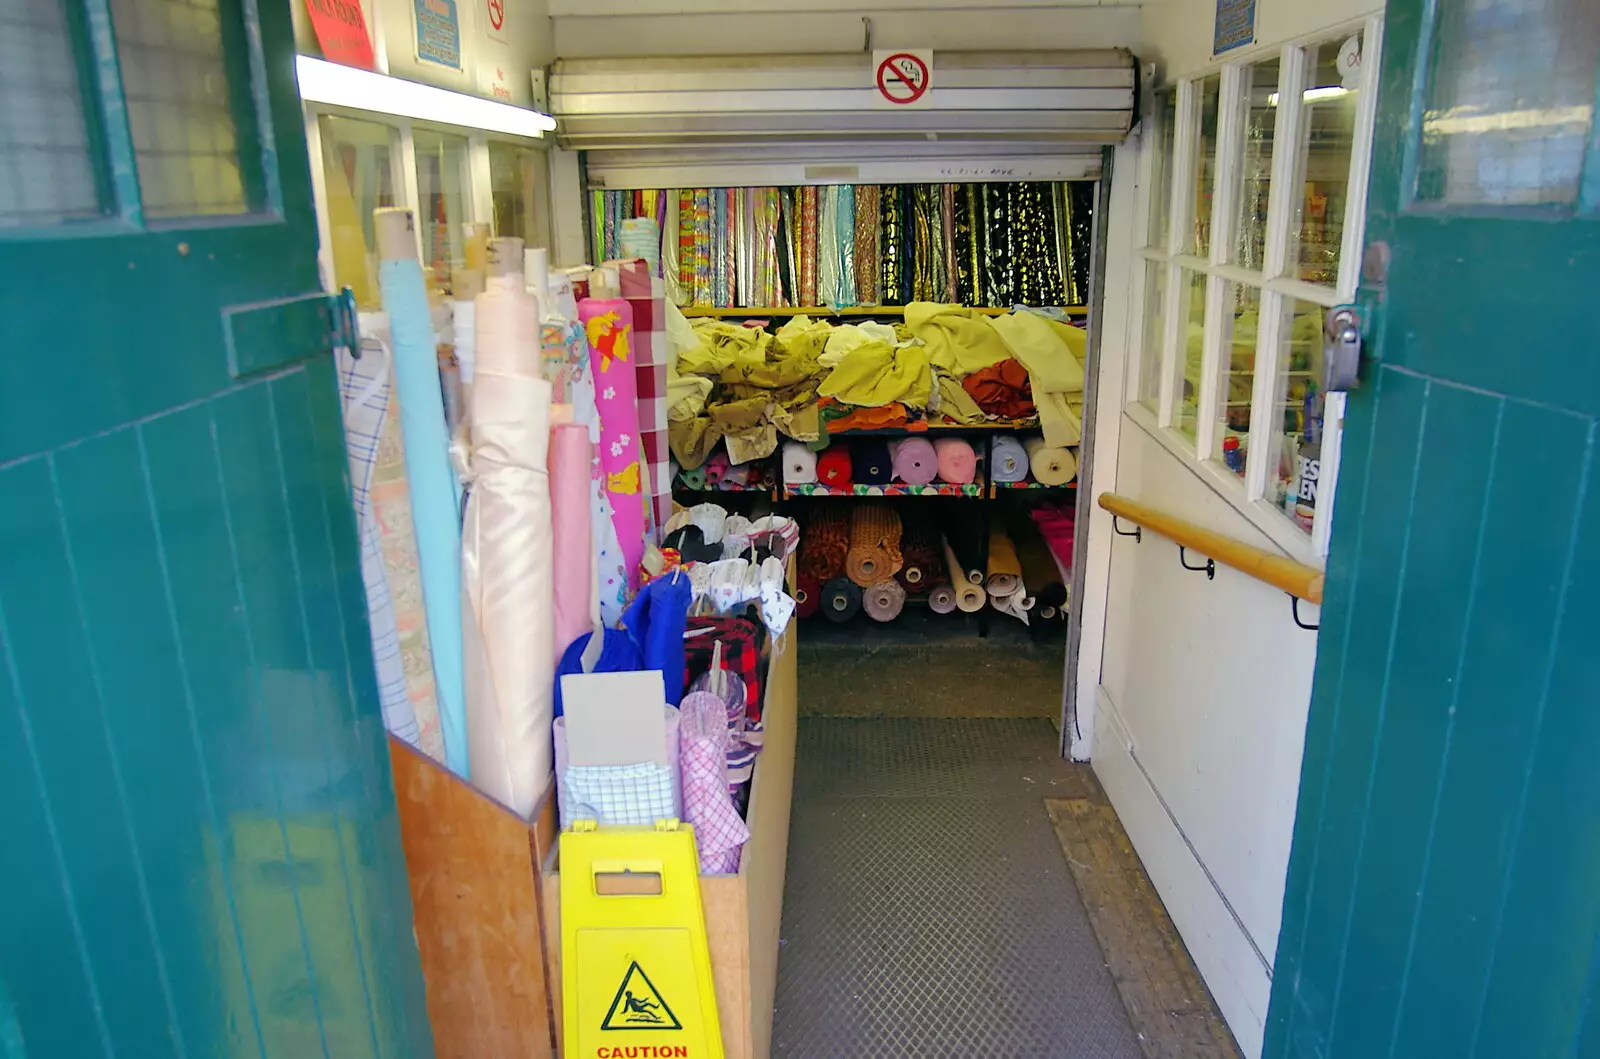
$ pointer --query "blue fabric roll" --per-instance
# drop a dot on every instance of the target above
(656, 619)
(618, 654)
(435, 498)
(871, 462)
(841, 599)
(1008, 460)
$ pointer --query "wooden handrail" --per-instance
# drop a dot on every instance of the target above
(1294, 578)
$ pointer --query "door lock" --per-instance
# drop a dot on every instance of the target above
(1341, 349)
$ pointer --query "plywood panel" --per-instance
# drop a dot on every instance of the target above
(475, 890)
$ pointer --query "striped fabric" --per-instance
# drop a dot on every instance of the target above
(364, 390)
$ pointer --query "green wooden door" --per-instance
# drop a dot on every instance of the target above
(201, 855)
(1443, 896)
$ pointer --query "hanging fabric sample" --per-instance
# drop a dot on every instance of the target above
(808, 246)
(507, 548)
(867, 273)
(434, 489)
(646, 296)
(364, 393)
(703, 746)
(608, 324)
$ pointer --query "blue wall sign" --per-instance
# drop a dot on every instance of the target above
(439, 33)
(1236, 25)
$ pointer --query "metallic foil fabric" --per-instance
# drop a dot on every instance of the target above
(868, 277)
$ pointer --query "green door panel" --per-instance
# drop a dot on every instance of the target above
(1443, 897)
(202, 855)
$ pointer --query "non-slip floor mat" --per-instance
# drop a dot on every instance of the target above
(929, 910)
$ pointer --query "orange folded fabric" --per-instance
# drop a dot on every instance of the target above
(1002, 390)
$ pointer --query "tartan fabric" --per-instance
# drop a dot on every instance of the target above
(707, 802)
(741, 654)
(619, 794)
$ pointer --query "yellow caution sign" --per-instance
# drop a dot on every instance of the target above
(635, 966)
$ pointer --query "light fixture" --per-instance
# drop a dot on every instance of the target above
(1314, 95)
(346, 86)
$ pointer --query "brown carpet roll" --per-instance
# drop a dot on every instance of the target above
(824, 543)
(874, 554)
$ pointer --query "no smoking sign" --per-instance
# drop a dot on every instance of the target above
(903, 78)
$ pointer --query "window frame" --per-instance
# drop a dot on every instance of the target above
(479, 197)
(1251, 495)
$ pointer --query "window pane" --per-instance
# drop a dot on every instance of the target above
(1191, 310)
(442, 202)
(45, 174)
(1206, 162)
(358, 169)
(1295, 462)
(1238, 374)
(1510, 102)
(1328, 124)
(1161, 182)
(516, 177)
(175, 77)
(1155, 316)
(1255, 165)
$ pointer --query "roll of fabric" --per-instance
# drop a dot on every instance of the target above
(807, 595)
(608, 324)
(833, 466)
(824, 545)
(808, 245)
(841, 599)
(866, 240)
(1040, 573)
(694, 480)
(1005, 571)
(364, 388)
(1051, 465)
(716, 468)
(1056, 523)
(874, 554)
(871, 463)
(922, 560)
(965, 531)
(958, 463)
(799, 464)
(435, 493)
(884, 600)
(572, 537)
(703, 743)
(969, 598)
(942, 599)
(507, 555)
(914, 461)
(1008, 460)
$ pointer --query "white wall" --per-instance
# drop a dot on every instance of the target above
(494, 63)
(1200, 696)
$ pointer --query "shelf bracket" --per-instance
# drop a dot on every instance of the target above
(1294, 609)
(1210, 566)
(1116, 526)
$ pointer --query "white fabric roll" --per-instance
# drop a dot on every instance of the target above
(506, 557)
(799, 464)
(1051, 465)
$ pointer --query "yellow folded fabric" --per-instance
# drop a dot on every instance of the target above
(723, 345)
(1053, 353)
(955, 403)
(959, 340)
(846, 337)
(686, 395)
(802, 337)
(878, 374)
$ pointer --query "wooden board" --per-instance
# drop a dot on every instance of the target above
(476, 905)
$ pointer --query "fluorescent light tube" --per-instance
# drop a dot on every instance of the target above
(1314, 95)
(346, 86)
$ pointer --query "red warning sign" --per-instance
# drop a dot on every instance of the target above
(904, 77)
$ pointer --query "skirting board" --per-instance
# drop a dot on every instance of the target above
(1220, 948)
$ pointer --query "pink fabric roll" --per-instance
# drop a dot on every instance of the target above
(608, 324)
(942, 599)
(884, 600)
(958, 463)
(572, 536)
(716, 467)
(915, 461)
